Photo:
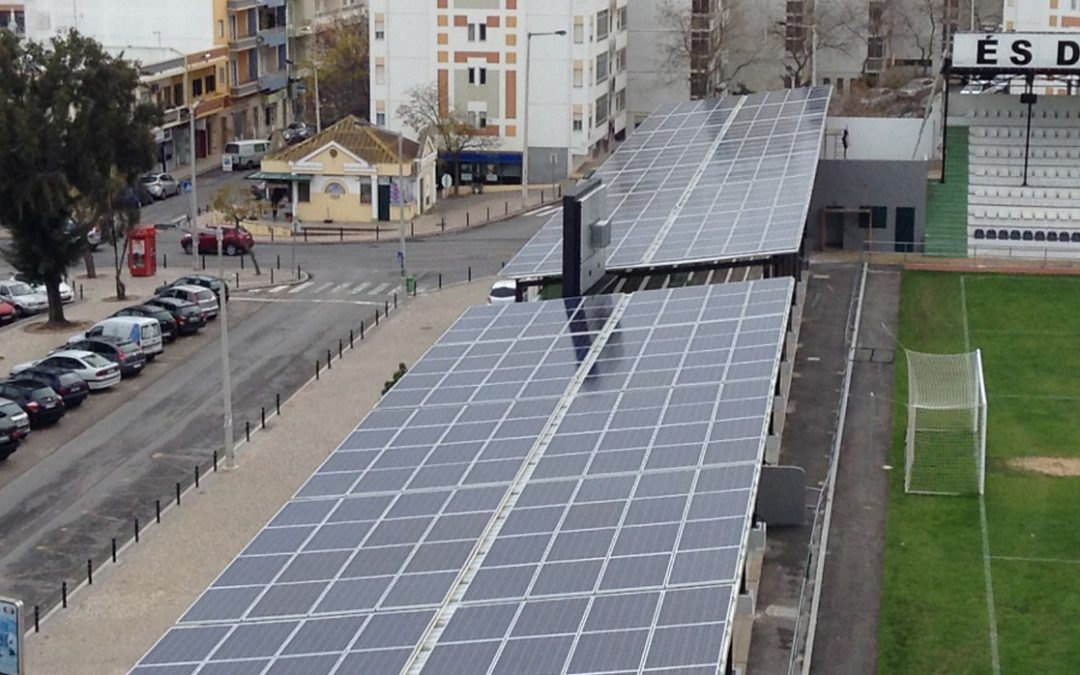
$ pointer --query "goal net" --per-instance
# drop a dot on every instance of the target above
(946, 426)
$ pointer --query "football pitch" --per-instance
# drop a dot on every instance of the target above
(995, 587)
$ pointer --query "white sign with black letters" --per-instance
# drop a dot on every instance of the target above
(1017, 51)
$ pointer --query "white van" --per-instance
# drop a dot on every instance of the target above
(243, 154)
(142, 330)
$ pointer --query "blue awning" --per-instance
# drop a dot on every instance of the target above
(484, 157)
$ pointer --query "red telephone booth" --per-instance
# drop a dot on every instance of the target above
(142, 252)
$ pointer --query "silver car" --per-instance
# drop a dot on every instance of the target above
(203, 297)
(21, 296)
(161, 185)
(66, 294)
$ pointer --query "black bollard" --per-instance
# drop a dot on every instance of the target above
(157, 510)
(277, 404)
(442, 223)
(279, 261)
(37, 619)
(470, 273)
(361, 330)
(241, 262)
(395, 300)
(178, 493)
(63, 594)
(247, 431)
(238, 280)
(340, 347)
(114, 549)
(316, 369)
(196, 476)
(350, 338)
(89, 572)
(165, 260)
(262, 416)
(328, 366)
(136, 530)
(215, 461)
(440, 281)
(271, 275)
(489, 214)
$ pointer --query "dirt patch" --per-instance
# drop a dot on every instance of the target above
(70, 327)
(1047, 466)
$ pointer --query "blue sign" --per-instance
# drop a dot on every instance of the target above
(10, 637)
(185, 186)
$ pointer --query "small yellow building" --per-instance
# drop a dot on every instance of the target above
(351, 172)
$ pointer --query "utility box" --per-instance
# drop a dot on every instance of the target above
(142, 252)
(586, 234)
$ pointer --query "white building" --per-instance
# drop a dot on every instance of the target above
(474, 51)
(1041, 15)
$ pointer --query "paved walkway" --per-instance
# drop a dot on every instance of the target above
(452, 213)
(111, 624)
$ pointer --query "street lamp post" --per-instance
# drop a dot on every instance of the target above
(226, 380)
(813, 48)
(194, 188)
(525, 117)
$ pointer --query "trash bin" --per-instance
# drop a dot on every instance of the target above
(410, 284)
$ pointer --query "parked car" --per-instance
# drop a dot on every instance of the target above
(203, 297)
(7, 313)
(163, 317)
(71, 388)
(14, 427)
(205, 280)
(503, 291)
(234, 241)
(123, 353)
(66, 294)
(160, 185)
(23, 298)
(296, 133)
(97, 371)
(188, 316)
(916, 88)
(10, 433)
(42, 404)
(143, 331)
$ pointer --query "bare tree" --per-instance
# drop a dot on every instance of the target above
(430, 114)
(727, 56)
(236, 204)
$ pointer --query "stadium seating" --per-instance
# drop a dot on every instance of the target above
(1041, 218)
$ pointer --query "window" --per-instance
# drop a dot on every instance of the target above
(365, 192)
(578, 124)
(178, 94)
(303, 192)
(282, 57)
(602, 110)
(579, 77)
(579, 30)
(220, 28)
(840, 84)
(196, 87)
(477, 75)
(621, 18)
(477, 32)
(380, 28)
(477, 119)
(380, 119)
(232, 27)
(211, 84)
(620, 60)
(380, 74)
(878, 215)
(601, 67)
(620, 100)
(603, 24)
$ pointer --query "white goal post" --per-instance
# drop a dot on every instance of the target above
(945, 444)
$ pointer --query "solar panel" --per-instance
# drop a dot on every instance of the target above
(590, 454)
(704, 181)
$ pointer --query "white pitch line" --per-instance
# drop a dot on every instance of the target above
(1018, 558)
(301, 287)
(360, 288)
(278, 289)
(995, 660)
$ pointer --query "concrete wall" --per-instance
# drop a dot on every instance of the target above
(853, 184)
(880, 138)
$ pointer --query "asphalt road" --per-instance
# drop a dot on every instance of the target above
(71, 489)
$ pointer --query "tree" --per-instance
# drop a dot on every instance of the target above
(675, 45)
(69, 123)
(430, 115)
(236, 204)
(837, 23)
(344, 83)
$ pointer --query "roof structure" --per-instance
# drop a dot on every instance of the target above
(555, 487)
(373, 144)
(715, 180)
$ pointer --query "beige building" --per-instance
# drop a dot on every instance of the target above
(351, 172)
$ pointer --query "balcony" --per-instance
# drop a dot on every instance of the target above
(271, 37)
(273, 81)
(243, 42)
(244, 89)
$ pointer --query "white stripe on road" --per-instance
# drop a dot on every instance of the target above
(278, 289)
(340, 287)
(256, 290)
(380, 289)
(328, 301)
(360, 288)
(302, 286)
(322, 288)
(546, 211)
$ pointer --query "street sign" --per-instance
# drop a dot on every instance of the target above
(296, 228)
(11, 637)
(226, 162)
(185, 186)
(447, 181)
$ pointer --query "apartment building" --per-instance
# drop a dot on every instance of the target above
(481, 54)
(12, 17)
(1041, 15)
(674, 52)
(309, 22)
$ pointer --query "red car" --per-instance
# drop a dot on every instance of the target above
(234, 241)
(7, 313)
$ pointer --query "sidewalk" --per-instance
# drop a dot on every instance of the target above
(110, 625)
(448, 215)
(182, 172)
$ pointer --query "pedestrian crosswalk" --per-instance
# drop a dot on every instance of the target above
(346, 290)
(546, 211)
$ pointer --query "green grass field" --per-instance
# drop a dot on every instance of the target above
(934, 613)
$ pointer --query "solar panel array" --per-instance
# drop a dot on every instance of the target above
(556, 487)
(703, 181)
